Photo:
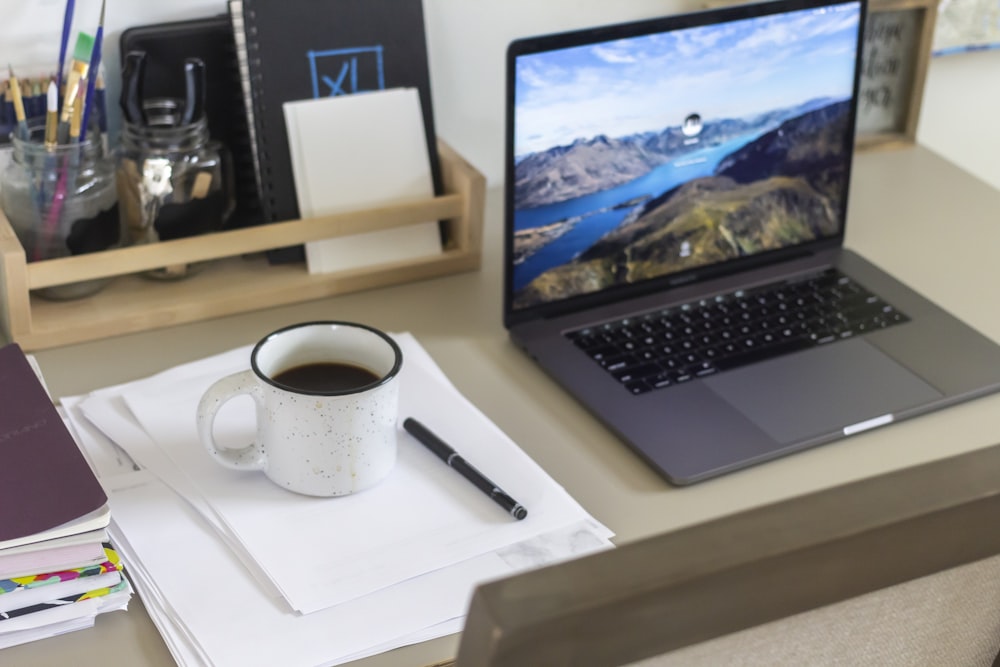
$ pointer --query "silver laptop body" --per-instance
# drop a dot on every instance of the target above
(673, 168)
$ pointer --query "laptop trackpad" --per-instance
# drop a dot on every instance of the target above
(820, 391)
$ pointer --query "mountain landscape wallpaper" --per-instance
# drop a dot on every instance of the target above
(648, 156)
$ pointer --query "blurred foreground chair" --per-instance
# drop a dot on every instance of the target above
(898, 569)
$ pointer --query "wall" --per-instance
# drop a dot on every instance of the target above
(468, 43)
(31, 30)
(960, 117)
(467, 40)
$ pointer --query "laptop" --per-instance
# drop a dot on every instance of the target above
(675, 206)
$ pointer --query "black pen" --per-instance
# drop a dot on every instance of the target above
(463, 467)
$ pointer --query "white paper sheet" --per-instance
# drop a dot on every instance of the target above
(423, 517)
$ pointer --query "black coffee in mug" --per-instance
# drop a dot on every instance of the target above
(323, 377)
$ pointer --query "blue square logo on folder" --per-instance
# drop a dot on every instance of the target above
(346, 71)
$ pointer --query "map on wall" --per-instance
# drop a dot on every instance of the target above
(964, 25)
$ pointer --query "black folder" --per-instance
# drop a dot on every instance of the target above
(303, 49)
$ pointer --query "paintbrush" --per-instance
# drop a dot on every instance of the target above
(64, 42)
(76, 119)
(49, 138)
(15, 89)
(22, 125)
(79, 66)
(67, 179)
(50, 167)
(100, 105)
(95, 63)
(51, 115)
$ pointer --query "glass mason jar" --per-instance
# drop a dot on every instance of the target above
(173, 180)
(61, 201)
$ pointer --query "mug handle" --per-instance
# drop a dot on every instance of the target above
(251, 457)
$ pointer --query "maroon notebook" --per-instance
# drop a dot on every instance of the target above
(46, 482)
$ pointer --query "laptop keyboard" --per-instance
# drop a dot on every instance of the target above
(670, 346)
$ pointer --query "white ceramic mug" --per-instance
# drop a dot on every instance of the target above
(320, 438)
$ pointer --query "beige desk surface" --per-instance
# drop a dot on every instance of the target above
(912, 212)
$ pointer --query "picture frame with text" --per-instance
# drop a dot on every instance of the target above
(897, 51)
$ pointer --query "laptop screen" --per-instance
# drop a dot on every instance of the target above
(663, 148)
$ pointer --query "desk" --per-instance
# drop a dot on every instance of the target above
(914, 213)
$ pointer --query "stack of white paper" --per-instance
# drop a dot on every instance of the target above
(237, 571)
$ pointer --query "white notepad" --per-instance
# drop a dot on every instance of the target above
(353, 152)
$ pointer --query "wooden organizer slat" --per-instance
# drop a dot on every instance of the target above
(229, 283)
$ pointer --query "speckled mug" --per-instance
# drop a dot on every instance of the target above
(315, 443)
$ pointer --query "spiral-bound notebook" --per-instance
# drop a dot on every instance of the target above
(294, 50)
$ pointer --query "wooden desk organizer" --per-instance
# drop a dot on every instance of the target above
(231, 283)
